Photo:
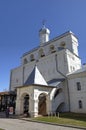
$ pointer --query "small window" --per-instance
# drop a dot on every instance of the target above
(80, 104)
(32, 57)
(78, 86)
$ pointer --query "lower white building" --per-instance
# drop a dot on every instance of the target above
(50, 78)
(77, 90)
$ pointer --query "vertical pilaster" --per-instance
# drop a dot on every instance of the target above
(49, 105)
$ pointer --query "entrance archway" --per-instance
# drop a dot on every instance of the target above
(24, 104)
(42, 104)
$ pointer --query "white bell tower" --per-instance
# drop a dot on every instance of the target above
(44, 34)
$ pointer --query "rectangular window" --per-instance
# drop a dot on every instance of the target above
(80, 104)
(78, 86)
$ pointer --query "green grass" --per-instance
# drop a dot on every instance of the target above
(73, 119)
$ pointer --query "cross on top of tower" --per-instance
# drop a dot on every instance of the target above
(43, 23)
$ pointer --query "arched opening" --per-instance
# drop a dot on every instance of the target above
(25, 104)
(32, 57)
(42, 104)
(62, 45)
(52, 49)
(41, 53)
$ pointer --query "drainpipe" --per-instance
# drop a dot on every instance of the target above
(64, 77)
(23, 75)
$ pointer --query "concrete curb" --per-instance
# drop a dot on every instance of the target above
(30, 120)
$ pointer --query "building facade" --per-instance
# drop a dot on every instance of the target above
(77, 89)
(44, 79)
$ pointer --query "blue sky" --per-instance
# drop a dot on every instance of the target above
(20, 21)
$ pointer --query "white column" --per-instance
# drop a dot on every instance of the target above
(31, 107)
(36, 108)
(19, 107)
(49, 105)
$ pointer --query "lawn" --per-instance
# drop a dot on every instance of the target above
(73, 119)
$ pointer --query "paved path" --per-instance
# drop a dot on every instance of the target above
(16, 124)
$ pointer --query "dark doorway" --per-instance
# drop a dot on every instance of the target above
(26, 104)
(42, 104)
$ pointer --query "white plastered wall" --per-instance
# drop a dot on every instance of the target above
(33, 92)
